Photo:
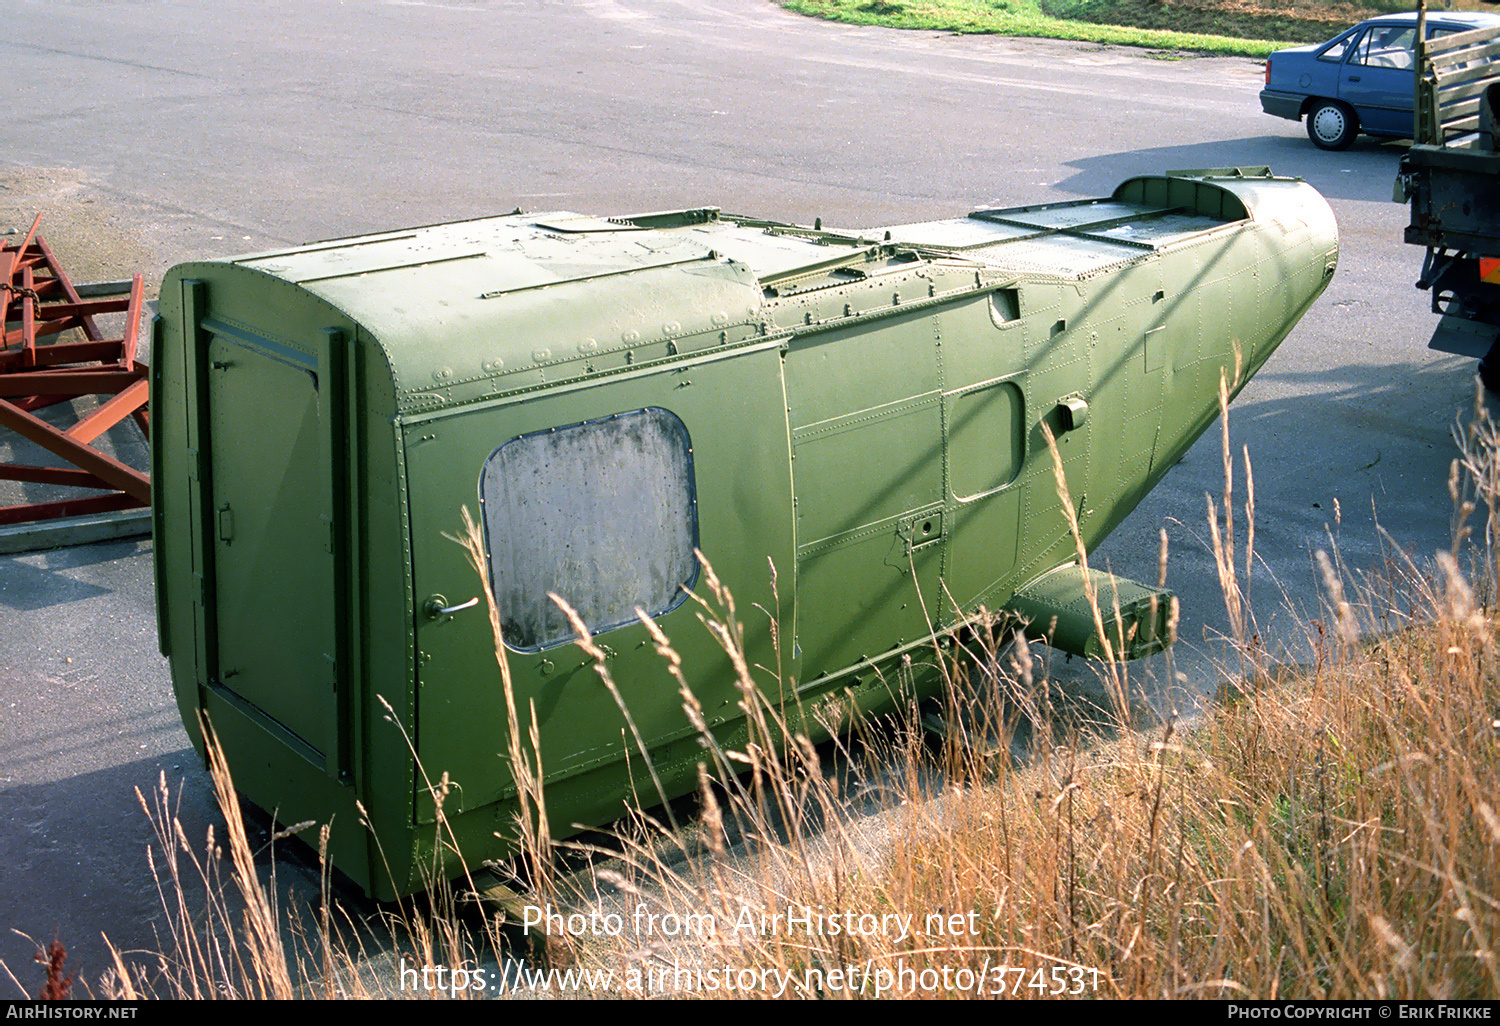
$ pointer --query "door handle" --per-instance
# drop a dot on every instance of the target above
(437, 606)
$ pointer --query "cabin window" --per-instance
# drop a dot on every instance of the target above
(602, 513)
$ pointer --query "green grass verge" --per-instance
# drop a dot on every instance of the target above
(1026, 18)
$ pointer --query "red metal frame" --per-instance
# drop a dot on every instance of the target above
(37, 304)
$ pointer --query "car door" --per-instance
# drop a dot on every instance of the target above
(1377, 79)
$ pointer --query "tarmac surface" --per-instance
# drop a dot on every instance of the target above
(155, 131)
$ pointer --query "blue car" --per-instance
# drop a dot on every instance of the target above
(1359, 81)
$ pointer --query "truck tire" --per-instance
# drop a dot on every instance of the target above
(1332, 125)
(1489, 368)
(1489, 375)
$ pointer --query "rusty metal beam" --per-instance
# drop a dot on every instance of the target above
(67, 508)
(50, 475)
(38, 303)
(40, 402)
(66, 352)
(110, 413)
(8, 262)
(38, 330)
(31, 234)
(106, 468)
(28, 319)
(133, 322)
(84, 307)
(90, 328)
(66, 381)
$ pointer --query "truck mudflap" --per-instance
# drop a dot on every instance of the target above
(1463, 337)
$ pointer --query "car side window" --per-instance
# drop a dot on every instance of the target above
(1334, 52)
(1386, 46)
(1438, 32)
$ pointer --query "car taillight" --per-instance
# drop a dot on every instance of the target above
(1268, 71)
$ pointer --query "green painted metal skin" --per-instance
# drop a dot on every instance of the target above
(865, 412)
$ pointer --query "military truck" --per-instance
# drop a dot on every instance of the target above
(851, 427)
(1451, 177)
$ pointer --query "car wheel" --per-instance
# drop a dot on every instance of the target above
(1332, 125)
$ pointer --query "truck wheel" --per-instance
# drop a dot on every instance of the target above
(1489, 375)
(1489, 368)
(1332, 125)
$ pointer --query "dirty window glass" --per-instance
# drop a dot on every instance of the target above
(603, 513)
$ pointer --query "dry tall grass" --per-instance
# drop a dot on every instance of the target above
(1326, 833)
(1332, 836)
(231, 933)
